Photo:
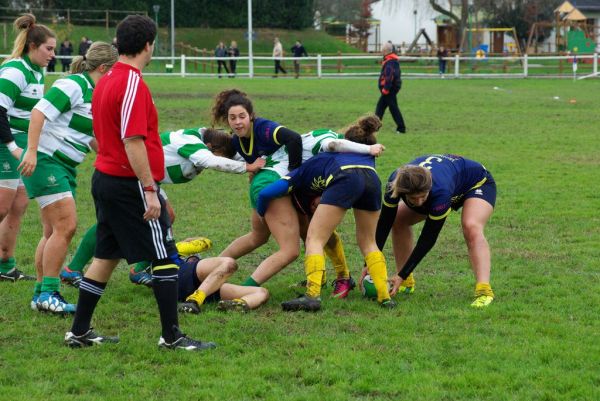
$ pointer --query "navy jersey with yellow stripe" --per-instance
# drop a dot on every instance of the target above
(262, 141)
(453, 176)
(315, 174)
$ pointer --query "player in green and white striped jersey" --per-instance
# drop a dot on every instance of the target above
(187, 153)
(59, 137)
(21, 86)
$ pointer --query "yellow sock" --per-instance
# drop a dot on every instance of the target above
(199, 296)
(483, 289)
(378, 271)
(336, 254)
(314, 266)
(409, 282)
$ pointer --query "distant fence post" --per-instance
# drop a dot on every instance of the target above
(456, 66)
(339, 62)
(5, 36)
(595, 68)
(203, 60)
(68, 16)
(319, 71)
(107, 21)
(525, 66)
(183, 65)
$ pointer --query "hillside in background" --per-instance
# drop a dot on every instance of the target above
(315, 42)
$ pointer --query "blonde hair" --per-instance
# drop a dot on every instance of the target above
(29, 32)
(363, 130)
(98, 54)
(411, 179)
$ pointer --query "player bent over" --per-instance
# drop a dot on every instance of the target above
(204, 280)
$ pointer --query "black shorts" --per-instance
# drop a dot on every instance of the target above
(188, 282)
(358, 188)
(122, 231)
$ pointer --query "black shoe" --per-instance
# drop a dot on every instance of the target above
(15, 275)
(388, 304)
(304, 302)
(189, 307)
(185, 343)
(88, 339)
(401, 131)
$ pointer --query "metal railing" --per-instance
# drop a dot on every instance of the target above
(368, 65)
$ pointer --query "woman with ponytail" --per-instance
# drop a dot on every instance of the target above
(59, 137)
(21, 86)
(343, 181)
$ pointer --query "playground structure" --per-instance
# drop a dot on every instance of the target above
(496, 45)
(571, 32)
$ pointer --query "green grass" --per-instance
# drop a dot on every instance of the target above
(538, 341)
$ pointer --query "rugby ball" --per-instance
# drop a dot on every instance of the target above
(368, 288)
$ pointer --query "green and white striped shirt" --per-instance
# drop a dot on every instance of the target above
(186, 156)
(21, 87)
(67, 132)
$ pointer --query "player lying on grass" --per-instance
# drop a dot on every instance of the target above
(204, 280)
(187, 153)
(429, 188)
(344, 181)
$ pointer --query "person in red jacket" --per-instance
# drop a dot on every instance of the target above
(390, 83)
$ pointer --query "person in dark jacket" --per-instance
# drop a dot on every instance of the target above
(298, 50)
(221, 52)
(66, 49)
(390, 83)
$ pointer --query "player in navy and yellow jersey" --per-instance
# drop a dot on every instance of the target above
(344, 181)
(255, 137)
(429, 188)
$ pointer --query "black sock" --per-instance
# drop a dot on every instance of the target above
(164, 285)
(90, 292)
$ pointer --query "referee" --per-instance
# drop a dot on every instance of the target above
(132, 220)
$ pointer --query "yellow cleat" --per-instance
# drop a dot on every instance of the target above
(482, 301)
(193, 246)
(408, 285)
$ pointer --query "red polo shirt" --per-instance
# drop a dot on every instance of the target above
(122, 107)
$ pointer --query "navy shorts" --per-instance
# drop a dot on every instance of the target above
(358, 188)
(189, 282)
(487, 192)
(122, 231)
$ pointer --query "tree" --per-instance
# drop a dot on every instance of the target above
(363, 24)
(520, 14)
(461, 21)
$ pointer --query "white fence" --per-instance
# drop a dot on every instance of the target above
(368, 65)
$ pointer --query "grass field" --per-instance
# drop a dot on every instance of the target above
(539, 340)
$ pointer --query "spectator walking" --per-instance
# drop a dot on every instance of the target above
(277, 55)
(66, 50)
(298, 50)
(390, 82)
(221, 51)
(234, 53)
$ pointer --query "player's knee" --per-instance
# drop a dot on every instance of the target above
(264, 294)
(472, 231)
(229, 266)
